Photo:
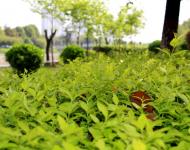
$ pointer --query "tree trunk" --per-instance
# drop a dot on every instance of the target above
(49, 42)
(107, 41)
(78, 36)
(170, 22)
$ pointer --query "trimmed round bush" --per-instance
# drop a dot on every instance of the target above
(23, 57)
(72, 52)
(154, 46)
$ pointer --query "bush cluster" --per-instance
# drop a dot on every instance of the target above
(154, 46)
(24, 57)
(72, 52)
(113, 50)
(104, 49)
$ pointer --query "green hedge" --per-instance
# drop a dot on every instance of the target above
(86, 105)
(72, 52)
(25, 57)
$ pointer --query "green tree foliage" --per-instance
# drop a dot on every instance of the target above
(128, 22)
(184, 27)
(2, 33)
(20, 32)
(93, 16)
(6, 41)
(31, 31)
(27, 34)
(10, 32)
(33, 36)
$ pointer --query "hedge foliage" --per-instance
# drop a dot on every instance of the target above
(24, 57)
(85, 105)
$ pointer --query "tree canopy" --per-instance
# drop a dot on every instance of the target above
(26, 34)
(92, 16)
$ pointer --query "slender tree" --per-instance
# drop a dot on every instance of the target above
(170, 23)
(49, 42)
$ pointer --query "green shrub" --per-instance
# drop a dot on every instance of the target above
(104, 49)
(154, 46)
(122, 49)
(72, 52)
(24, 57)
(182, 46)
(187, 39)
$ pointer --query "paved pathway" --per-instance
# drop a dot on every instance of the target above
(4, 63)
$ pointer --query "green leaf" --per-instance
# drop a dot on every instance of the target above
(176, 40)
(94, 118)
(141, 123)
(103, 109)
(182, 146)
(138, 145)
(23, 126)
(160, 143)
(115, 99)
(62, 123)
(69, 146)
(9, 131)
(183, 97)
(32, 92)
(56, 147)
(100, 144)
(131, 131)
(40, 95)
(84, 106)
(95, 133)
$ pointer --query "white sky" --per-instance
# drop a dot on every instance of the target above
(17, 13)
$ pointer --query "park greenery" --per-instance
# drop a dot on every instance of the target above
(93, 17)
(86, 104)
(111, 96)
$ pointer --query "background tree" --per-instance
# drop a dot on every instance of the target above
(48, 43)
(10, 32)
(31, 31)
(32, 35)
(26, 34)
(170, 22)
(184, 27)
(128, 22)
(92, 19)
(46, 8)
(2, 33)
(21, 32)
